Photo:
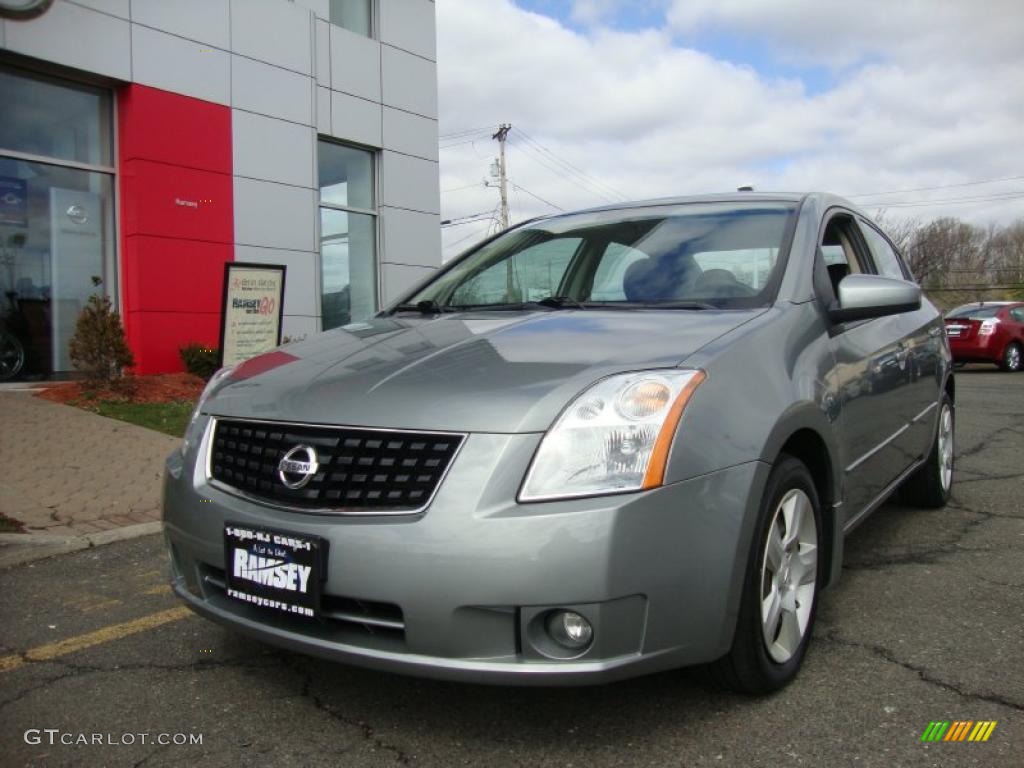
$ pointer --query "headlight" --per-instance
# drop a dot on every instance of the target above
(614, 437)
(193, 431)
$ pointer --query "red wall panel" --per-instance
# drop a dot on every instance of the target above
(173, 201)
(166, 274)
(175, 129)
(156, 337)
(177, 222)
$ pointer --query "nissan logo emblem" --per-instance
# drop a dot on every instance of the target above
(298, 466)
(77, 214)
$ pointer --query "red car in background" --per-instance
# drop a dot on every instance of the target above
(988, 332)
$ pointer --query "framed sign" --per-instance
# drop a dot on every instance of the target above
(251, 310)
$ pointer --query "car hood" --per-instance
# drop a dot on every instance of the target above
(473, 372)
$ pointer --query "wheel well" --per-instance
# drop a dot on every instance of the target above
(808, 446)
(951, 388)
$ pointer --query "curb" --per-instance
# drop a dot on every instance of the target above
(21, 548)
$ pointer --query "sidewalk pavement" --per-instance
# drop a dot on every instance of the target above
(75, 479)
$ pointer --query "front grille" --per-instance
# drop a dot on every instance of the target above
(359, 469)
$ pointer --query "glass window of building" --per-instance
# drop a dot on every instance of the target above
(348, 234)
(354, 15)
(56, 217)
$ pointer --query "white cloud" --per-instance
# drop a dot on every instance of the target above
(925, 93)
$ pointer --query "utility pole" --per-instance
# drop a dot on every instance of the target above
(500, 135)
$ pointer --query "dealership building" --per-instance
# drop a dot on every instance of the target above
(146, 143)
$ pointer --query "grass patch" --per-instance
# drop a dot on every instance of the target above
(169, 418)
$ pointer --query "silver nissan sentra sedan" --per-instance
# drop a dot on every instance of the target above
(597, 445)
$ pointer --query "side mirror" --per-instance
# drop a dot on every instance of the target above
(862, 297)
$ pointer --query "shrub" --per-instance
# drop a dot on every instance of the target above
(200, 360)
(98, 347)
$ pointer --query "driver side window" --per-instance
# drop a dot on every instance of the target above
(839, 252)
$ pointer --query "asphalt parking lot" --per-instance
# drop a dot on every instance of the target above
(927, 624)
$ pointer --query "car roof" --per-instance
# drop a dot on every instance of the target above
(825, 199)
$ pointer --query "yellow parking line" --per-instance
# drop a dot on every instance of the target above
(103, 635)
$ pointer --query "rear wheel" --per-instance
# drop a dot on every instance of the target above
(781, 586)
(931, 485)
(1012, 357)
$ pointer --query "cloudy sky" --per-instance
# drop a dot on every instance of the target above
(904, 105)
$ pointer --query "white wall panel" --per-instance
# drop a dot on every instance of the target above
(300, 281)
(323, 110)
(274, 215)
(409, 24)
(271, 149)
(355, 119)
(398, 278)
(273, 31)
(408, 82)
(322, 8)
(205, 21)
(410, 237)
(322, 52)
(298, 327)
(355, 64)
(269, 90)
(409, 182)
(181, 66)
(409, 133)
(76, 37)
(118, 8)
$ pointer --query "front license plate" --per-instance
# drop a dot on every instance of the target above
(275, 569)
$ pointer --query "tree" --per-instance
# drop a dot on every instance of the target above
(98, 348)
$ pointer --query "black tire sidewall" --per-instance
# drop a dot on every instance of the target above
(749, 650)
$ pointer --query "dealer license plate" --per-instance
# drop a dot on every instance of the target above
(275, 569)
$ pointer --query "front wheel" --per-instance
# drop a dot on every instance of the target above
(12, 356)
(931, 485)
(780, 590)
(1012, 357)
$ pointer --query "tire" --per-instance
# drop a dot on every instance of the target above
(766, 654)
(931, 485)
(1013, 358)
(12, 356)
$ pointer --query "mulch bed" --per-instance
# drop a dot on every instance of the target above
(159, 388)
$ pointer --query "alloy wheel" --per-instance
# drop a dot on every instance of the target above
(946, 446)
(1013, 358)
(788, 575)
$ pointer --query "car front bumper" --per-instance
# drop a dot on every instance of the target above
(460, 591)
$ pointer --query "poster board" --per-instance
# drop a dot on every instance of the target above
(251, 311)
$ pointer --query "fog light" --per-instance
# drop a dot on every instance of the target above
(570, 630)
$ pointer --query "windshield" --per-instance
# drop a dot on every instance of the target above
(719, 255)
(976, 311)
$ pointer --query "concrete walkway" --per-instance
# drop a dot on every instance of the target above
(65, 472)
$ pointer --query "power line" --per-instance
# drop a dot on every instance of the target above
(574, 168)
(477, 185)
(940, 186)
(469, 219)
(453, 134)
(536, 196)
(948, 201)
(575, 181)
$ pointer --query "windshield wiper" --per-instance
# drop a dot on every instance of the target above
(672, 304)
(427, 307)
(560, 302)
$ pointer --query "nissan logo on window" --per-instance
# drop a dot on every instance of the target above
(23, 9)
(77, 214)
